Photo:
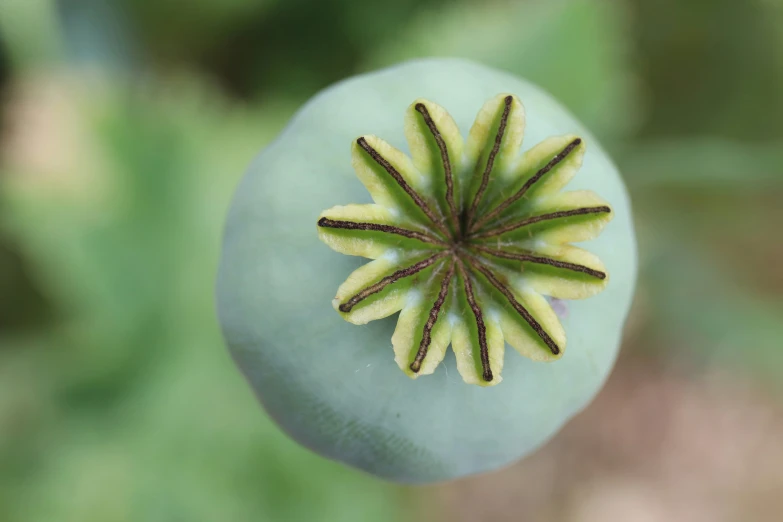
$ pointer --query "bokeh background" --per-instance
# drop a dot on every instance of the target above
(126, 125)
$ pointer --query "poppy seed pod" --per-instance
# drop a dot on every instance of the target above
(467, 189)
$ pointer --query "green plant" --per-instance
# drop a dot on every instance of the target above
(333, 386)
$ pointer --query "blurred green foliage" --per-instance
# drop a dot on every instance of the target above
(122, 147)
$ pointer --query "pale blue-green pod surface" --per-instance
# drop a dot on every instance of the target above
(333, 386)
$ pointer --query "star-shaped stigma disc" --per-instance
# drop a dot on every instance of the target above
(466, 238)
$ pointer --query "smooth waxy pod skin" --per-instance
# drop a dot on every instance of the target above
(335, 387)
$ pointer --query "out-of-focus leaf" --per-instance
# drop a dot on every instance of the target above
(735, 230)
(28, 310)
(577, 50)
(704, 162)
(30, 30)
(701, 311)
(711, 67)
(96, 33)
(173, 30)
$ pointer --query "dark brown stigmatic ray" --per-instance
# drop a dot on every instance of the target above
(374, 227)
(544, 217)
(447, 169)
(530, 258)
(491, 159)
(426, 338)
(521, 310)
(386, 281)
(480, 325)
(529, 183)
(417, 199)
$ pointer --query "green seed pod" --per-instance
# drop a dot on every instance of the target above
(469, 232)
